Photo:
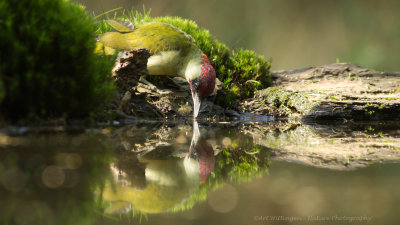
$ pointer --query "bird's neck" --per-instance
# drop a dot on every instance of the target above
(191, 68)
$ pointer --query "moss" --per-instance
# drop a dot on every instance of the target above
(334, 98)
(285, 98)
(47, 64)
(242, 71)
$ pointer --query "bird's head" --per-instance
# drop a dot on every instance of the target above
(203, 85)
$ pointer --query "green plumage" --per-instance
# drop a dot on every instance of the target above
(156, 37)
(173, 53)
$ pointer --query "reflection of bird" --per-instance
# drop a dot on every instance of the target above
(167, 186)
(173, 53)
(200, 158)
(155, 182)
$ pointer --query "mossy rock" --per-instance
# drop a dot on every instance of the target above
(242, 71)
(47, 64)
(297, 100)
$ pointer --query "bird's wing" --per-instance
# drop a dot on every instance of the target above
(155, 36)
(122, 26)
(158, 37)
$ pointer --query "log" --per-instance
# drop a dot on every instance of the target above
(340, 91)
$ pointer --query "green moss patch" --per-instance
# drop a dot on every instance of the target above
(290, 99)
(47, 64)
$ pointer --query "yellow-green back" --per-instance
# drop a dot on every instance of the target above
(154, 36)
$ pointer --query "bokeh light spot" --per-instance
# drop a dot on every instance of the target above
(226, 141)
(181, 139)
(223, 200)
(4, 140)
(53, 177)
(69, 160)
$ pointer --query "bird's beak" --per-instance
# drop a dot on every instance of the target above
(196, 104)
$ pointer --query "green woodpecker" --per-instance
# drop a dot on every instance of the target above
(173, 52)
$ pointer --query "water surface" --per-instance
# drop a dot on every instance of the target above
(176, 174)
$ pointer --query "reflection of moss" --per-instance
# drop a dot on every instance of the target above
(241, 165)
(242, 71)
(47, 64)
(71, 203)
(275, 139)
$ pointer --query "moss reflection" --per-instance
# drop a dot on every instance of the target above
(51, 179)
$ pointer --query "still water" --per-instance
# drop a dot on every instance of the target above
(189, 174)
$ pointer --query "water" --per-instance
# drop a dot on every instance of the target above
(218, 174)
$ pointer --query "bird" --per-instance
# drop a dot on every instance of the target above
(173, 52)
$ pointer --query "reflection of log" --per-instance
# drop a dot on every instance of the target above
(334, 146)
(338, 91)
